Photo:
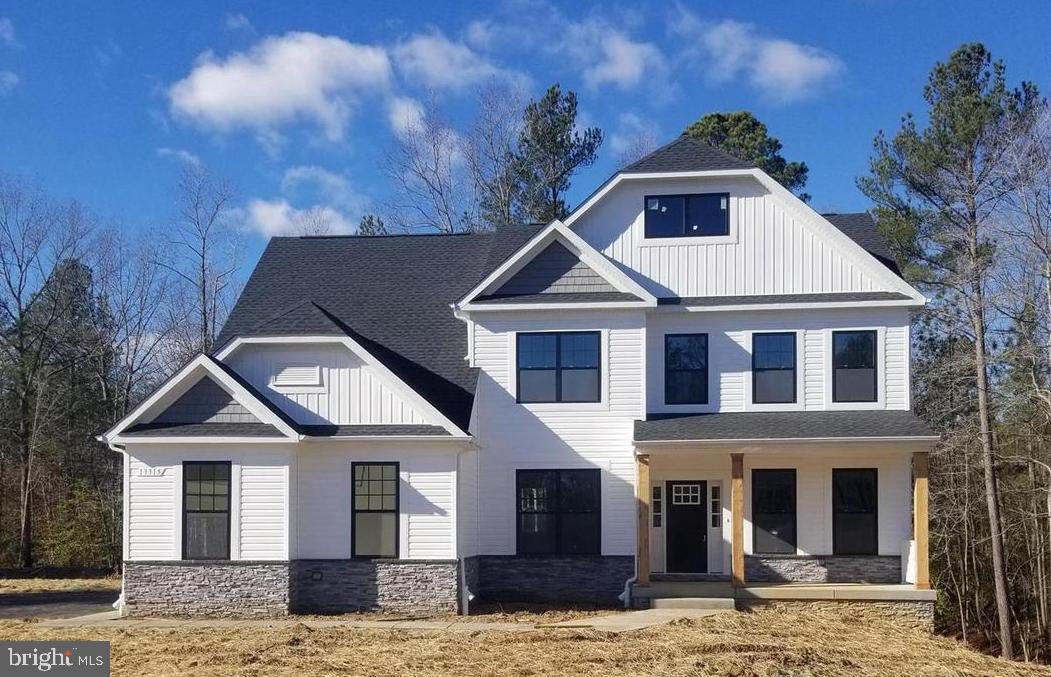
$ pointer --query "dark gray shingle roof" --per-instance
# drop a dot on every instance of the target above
(860, 227)
(840, 297)
(390, 293)
(371, 430)
(781, 425)
(203, 430)
(579, 297)
(686, 154)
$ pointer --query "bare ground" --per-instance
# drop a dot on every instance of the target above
(797, 641)
(24, 585)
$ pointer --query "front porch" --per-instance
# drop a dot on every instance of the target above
(782, 521)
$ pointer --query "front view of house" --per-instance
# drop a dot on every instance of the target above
(692, 380)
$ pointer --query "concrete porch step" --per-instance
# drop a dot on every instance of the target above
(690, 589)
(709, 603)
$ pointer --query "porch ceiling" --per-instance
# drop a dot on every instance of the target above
(882, 425)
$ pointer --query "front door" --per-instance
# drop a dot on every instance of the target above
(686, 537)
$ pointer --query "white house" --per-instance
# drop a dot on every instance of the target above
(693, 378)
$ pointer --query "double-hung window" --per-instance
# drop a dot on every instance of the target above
(206, 510)
(559, 512)
(374, 496)
(854, 366)
(686, 369)
(559, 367)
(774, 511)
(774, 368)
(854, 499)
(695, 215)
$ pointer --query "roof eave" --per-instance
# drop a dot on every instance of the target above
(763, 441)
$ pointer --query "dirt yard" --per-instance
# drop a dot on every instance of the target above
(26, 585)
(767, 642)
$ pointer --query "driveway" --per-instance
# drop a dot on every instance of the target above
(55, 604)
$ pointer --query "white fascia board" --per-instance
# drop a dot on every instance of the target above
(758, 442)
(588, 305)
(849, 247)
(135, 439)
(392, 380)
(196, 369)
(810, 305)
(343, 439)
(585, 252)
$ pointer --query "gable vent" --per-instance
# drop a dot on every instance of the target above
(298, 375)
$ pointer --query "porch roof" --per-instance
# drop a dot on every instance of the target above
(783, 425)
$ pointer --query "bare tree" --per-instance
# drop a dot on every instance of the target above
(489, 149)
(38, 240)
(640, 144)
(203, 256)
(432, 187)
(314, 222)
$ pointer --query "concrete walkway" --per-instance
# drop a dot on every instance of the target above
(613, 623)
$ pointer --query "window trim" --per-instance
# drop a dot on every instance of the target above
(558, 522)
(558, 368)
(875, 512)
(684, 237)
(795, 511)
(876, 392)
(229, 513)
(795, 367)
(707, 370)
(354, 510)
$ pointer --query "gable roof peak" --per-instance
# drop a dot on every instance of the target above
(686, 154)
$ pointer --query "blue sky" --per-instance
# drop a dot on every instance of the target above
(297, 103)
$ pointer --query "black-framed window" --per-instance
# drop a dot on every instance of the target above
(774, 511)
(686, 368)
(374, 497)
(559, 367)
(693, 215)
(854, 513)
(559, 512)
(774, 368)
(206, 510)
(854, 366)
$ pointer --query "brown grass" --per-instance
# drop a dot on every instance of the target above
(766, 642)
(21, 585)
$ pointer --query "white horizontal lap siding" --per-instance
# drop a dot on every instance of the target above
(152, 485)
(264, 511)
(350, 392)
(772, 250)
(427, 497)
(563, 436)
(730, 353)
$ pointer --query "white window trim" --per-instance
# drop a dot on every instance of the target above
(881, 374)
(749, 392)
(604, 365)
(729, 238)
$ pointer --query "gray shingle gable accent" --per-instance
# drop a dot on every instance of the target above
(783, 425)
(555, 270)
(206, 402)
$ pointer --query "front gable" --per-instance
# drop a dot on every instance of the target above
(206, 402)
(555, 270)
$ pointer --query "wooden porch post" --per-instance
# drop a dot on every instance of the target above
(920, 519)
(737, 519)
(642, 528)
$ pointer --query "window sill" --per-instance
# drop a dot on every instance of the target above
(694, 240)
(565, 406)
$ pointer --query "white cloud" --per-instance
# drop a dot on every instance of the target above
(432, 60)
(609, 56)
(780, 69)
(7, 33)
(633, 133)
(335, 189)
(278, 217)
(404, 114)
(297, 76)
(179, 155)
(8, 81)
(237, 22)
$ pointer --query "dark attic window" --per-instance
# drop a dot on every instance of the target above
(693, 215)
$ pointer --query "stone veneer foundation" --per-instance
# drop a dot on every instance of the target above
(206, 588)
(588, 580)
(341, 586)
(822, 569)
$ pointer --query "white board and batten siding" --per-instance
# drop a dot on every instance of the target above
(730, 356)
(323, 384)
(259, 497)
(772, 248)
(513, 436)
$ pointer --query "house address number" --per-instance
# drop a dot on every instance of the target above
(151, 472)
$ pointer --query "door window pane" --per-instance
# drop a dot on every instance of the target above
(774, 368)
(686, 369)
(854, 366)
(206, 510)
(774, 511)
(854, 502)
(559, 512)
(375, 509)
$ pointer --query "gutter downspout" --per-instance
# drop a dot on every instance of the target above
(626, 595)
(119, 603)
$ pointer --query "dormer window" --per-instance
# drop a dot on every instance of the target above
(693, 215)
